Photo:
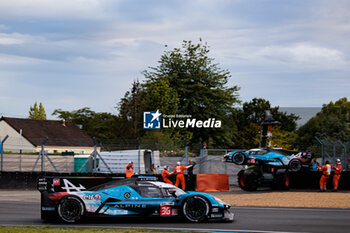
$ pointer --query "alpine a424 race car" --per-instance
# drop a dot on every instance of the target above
(291, 160)
(267, 167)
(70, 199)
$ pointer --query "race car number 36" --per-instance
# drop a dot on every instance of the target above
(165, 211)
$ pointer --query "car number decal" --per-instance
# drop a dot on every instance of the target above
(165, 211)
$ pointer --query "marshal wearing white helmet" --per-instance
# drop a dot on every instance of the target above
(337, 173)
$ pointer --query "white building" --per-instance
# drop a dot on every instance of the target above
(27, 135)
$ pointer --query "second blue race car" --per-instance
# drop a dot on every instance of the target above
(291, 160)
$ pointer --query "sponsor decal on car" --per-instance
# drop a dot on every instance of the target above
(118, 212)
(91, 197)
(127, 195)
(56, 182)
(167, 204)
(174, 212)
(136, 206)
(69, 187)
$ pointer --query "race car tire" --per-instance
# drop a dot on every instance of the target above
(247, 182)
(196, 208)
(281, 181)
(239, 158)
(294, 165)
(71, 209)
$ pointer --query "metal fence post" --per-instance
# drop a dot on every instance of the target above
(2, 154)
(42, 156)
(322, 148)
(345, 155)
(94, 156)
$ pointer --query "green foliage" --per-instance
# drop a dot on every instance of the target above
(131, 108)
(37, 112)
(282, 139)
(249, 119)
(161, 96)
(332, 122)
(99, 125)
(199, 86)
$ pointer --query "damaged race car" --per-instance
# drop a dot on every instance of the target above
(267, 167)
(70, 199)
(293, 161)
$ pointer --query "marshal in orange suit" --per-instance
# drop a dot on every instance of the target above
(166, 174)
(180, 178)
(337, 171)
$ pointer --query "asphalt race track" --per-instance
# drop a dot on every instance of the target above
(247, 219)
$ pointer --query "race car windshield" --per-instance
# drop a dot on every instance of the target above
(149, 191)
(167, 191)
(257, 152)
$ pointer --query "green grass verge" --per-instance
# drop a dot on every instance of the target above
(48, 229)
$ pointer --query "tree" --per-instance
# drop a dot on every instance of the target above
(332, 122)
(100, 125)
(249, 120)
(199, 84)
(131, 109)
(37, 113)
(160, 96)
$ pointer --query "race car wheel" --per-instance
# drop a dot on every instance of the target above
(247, 182)
(238, 158)
(294, 165)
(196, 208)
(71, 209)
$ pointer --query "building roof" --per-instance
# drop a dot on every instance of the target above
(59, 133)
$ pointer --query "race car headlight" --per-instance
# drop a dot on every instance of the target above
(220, 201)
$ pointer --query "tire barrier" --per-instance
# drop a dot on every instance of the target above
(212, 182)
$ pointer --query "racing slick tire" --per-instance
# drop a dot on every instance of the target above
(239, 158)
(247, 181)
(281, 181)
(196, 208)
(294, 165)
(70, 209)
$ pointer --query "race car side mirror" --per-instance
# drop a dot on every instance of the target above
(173, 192)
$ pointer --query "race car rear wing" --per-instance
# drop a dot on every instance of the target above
(71, 184)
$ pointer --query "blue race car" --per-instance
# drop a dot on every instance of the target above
(69, 200)
(267, 167)
(291, 160)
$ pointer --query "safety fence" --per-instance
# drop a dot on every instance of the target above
(26, 162)
(335, 149)
(54, 154)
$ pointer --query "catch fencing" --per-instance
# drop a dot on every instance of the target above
(332, 150)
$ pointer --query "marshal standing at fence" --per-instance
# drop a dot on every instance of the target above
(180, 178)
(337, 171)
(129, 169)
(326, 172)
